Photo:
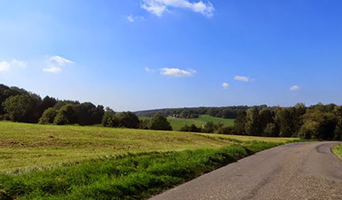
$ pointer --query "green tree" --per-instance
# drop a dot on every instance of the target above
(48, 116)
(160, 122)
(209, 127)
(270, 130)
(128, 120)
(252, 126)
(19, 107)
(66, 115)
(240, 123)
(109, 119)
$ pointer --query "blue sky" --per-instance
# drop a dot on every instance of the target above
(143, 54)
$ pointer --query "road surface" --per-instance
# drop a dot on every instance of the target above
(293, 171)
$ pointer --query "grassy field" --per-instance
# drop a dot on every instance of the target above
(338, 150)
(32, 145)
(73, 162)
(177, 123)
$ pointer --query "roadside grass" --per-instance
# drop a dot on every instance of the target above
(177, 123)
(337, 150)
(31, 145)
(128, 177)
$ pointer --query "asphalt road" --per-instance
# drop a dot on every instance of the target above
(294, 171)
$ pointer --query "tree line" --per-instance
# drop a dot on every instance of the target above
(314, 122)
(19, 105)
(230, 112)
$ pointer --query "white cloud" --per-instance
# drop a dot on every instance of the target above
(225, 85)
(6, 65)
(242, 78)
(295, 88)
(55, 64)
(158, 7)
(52, 69)
(149, 70)
(130, 18)
(60, 61)
(177, 72)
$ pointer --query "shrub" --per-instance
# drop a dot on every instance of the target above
(48, 116)
(159, 122)
(228, 130)
(66, 115)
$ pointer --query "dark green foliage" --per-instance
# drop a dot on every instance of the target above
(128, 177)
(191, 128)
(19, 108)
(270, 130)
(227, 130)
(159, 122)
(128, 120)
(109, 119)
(123, 119)
(145, 124)
(89, 114)
(66, 115)
(209, 127)
(48, 116)
(48, 102)
(252, 126)
(6, 92)
(319, 125)
(240, 123)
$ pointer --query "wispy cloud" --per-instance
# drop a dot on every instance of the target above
(295, 88)
(158, 7)
(130, 18)
(175, 72)
(149, 70)
(6, 65)
(225, 85)
(242, 78)
(55, 64)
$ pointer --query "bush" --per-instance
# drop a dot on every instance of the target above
(109, 119)
(66, 115)
(48, 116)
(209, 127)
(159, 122)
(192, 128)
(127, 120)
(227, 130)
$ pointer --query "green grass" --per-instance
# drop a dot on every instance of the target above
(74, 162)
(337, 150)
(129, 177)
(31, 145)
(177, 123)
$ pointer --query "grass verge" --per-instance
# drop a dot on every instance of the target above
(337, 150)
(135, 176)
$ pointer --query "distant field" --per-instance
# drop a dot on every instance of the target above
(177, 123)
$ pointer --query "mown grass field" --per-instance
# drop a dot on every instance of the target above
(73, 162)
(338, 150)
(177, 123)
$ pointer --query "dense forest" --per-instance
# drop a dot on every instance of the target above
(314, 122)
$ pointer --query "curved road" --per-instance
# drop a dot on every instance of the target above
(294, 171)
